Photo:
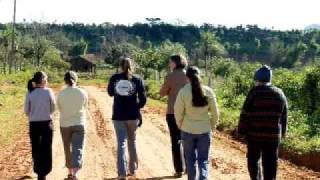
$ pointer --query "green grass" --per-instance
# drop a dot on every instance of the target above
(12, 95)
(153, 103)
(12, 118)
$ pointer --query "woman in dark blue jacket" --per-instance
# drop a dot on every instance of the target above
(129, 97)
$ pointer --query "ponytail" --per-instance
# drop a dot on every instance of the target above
(31, 85)
(198, 97)
(126, 66)
(38, 78)
(71, 78)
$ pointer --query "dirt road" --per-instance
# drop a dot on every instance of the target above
(228, 156)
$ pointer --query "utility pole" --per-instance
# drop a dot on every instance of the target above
(13, 46)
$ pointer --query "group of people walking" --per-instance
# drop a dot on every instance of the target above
(192, 116)
(40, 105)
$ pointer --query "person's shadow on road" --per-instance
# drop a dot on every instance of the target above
(24, 178)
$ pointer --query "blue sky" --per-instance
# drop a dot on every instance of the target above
(280, 14)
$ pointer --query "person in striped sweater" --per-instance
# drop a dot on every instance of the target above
(263, 123)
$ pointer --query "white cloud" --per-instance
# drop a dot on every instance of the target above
(282, 14)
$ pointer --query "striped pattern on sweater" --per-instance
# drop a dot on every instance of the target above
(264, 114)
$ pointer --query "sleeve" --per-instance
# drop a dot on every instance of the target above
(52, 101)
(58, 102)
(86, 99)
(214, 110)
(284, 117)
(179, 108)
(142, 94)
(110, 88)
(27, 104)
(165, 88)
(244, 122)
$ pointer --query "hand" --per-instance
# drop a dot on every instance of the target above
(283, 136)
(140, 122)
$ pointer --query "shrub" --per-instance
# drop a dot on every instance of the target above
(153, 88)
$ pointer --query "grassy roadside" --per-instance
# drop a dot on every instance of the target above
(12, 118)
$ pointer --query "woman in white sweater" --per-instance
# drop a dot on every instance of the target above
(72, 104)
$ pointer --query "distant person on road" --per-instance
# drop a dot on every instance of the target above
(129, 97)
(263, 123)
(72, 103)
(174, 81)
(197, 114)
(39, 107)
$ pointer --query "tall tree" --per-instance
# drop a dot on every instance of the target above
(210, 47)
(79, 48)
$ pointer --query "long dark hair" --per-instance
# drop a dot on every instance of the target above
(198, 97)
(30, 86)
(180, 61)
(37, 79)
(126, 65)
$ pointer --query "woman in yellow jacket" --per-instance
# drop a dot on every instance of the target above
(197, 114)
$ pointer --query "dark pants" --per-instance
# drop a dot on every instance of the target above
(269, 153)
(175, 134)
(41, 143)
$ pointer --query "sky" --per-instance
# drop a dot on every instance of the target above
(277, 14)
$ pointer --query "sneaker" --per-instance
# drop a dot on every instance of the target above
(71, 177)
(178, 174)
(131, 176)
(122, 178)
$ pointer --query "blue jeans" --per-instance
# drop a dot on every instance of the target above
(196, 149)
(126, 130)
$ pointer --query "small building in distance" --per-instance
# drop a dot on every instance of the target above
(83, 63)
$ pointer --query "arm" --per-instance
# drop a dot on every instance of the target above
(142, 94)
(58, 102)
(86, 99)
(284, 118)
(165, 88)
(110, 88)
(52, 101)
(244, 123)
(179, 109)
(214, 110)
(86, 102)
(27, 105)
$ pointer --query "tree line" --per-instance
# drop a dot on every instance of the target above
(36, 42)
